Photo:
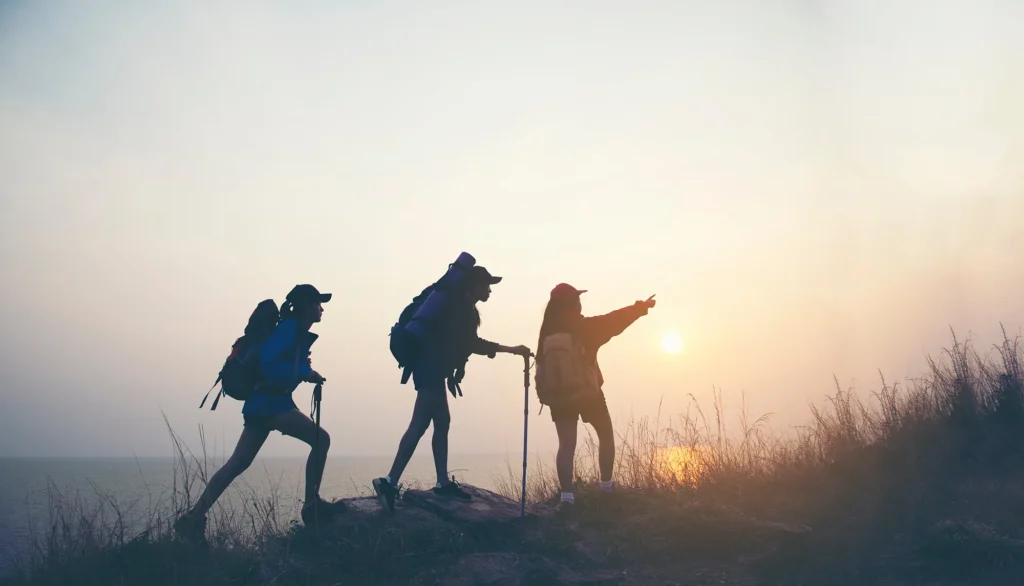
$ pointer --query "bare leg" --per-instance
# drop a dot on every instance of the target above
(566, 452)
(602, 423)
(248, 446)
(422, 413)
(439, 443)
(297, 424)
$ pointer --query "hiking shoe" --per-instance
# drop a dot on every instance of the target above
(386, 493)
(452, 489)
(321, 511)
(191, 528)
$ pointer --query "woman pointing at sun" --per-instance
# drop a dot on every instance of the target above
(569, 379)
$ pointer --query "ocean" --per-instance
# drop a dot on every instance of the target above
(142, 485)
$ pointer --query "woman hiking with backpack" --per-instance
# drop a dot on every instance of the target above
(440, 364)
(569, 379)
(284, 363)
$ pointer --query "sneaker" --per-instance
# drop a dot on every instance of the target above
(386, 493)
(321, 511)
(191, 528)
(452, 489)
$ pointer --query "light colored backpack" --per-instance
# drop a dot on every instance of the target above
(563, 372)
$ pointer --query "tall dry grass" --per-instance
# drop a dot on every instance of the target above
(88, 525)
(965, 398)
(859, 464)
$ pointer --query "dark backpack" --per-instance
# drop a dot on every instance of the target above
(405, 347)
(240, 375)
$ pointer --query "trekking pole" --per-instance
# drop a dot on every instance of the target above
(526, 419)
(317, 394)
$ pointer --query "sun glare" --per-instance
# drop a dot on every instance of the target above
(683, 464)
(671, 343)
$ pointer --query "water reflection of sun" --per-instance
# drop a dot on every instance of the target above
(682, 463)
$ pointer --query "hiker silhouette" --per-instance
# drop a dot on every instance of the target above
(569, 379)
(447, 337)
(279, 362)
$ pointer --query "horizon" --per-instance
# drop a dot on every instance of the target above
(809, 191)
(258, 457)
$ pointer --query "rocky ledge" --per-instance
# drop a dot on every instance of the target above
(485, 541)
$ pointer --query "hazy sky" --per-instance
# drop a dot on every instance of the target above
(811, 188)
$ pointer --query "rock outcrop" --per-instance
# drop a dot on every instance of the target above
(437, 540)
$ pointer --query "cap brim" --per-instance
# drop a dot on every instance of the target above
(563, 294)
(494, 280)
(325, 297)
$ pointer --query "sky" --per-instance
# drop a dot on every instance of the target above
(812, 189)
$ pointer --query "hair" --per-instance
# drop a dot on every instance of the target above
(560, 315)
(472, 312)
(289, 309)
(464, 289)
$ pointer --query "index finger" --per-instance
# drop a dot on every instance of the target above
(651, 297)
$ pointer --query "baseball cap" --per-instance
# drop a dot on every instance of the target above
(479, 274)
(565, 290)
(307, 293)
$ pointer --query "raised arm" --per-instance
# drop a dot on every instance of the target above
(599, 329)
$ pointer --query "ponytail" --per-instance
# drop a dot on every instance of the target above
(287, 310)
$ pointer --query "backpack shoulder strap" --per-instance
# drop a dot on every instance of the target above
(216, 398)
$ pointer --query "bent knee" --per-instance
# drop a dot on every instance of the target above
(324, 440)
(319, 440)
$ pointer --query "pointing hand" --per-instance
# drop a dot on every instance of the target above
(648, 303)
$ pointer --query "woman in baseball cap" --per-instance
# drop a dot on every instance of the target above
(284, 364)
(438, 371)
(564, 315)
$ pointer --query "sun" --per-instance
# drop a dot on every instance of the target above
(671, 343)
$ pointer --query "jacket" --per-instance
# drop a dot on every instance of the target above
(457, 338)
(598, 330)
(284, 357)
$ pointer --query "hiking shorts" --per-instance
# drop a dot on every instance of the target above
(428, 375)
(588, 410)
(259, 421)
(259, 411)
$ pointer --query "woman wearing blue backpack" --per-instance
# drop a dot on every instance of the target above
(442, 365)
(284, 364)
